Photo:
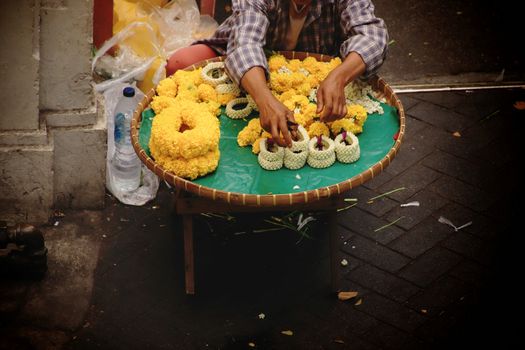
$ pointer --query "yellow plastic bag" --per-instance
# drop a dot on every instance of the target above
(143, 40)
(147, 33)
(153, 75)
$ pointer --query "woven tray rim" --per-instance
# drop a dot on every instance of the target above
(272, 200)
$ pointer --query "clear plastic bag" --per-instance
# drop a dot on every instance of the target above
(149, 181)
(127, 65)
(148, 33)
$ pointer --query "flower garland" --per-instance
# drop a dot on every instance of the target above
(214, 73)
(294, 83)
(185, 133)
(234, 113)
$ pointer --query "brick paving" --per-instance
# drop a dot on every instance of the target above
(421, 284)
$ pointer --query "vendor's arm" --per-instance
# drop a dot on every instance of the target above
(247, 65)
(364, 51)
(247, 37)
(272, 113)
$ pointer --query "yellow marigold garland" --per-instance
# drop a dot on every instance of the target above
(250, 133)
(185, 139)
(167, 87)
(190, 99)
(158, 103)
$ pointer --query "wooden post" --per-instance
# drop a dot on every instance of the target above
(334, 257)
(189, 260)
(102, 21)
(208, 7)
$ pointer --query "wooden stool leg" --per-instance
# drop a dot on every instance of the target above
(334, 257)
(189, 261)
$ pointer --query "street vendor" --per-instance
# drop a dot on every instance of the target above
(347, 28)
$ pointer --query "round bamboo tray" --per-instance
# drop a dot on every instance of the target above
(273, 200)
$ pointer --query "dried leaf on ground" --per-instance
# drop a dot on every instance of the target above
(359, 302)
(251, 345)
(287, 332)
(371, 200)
(339, 341)
(346, 295)
(519, 105)
(456, 134)
(389, 224)
(410, 204)
(446, 221)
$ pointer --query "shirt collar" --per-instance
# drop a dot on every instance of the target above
(314, 12)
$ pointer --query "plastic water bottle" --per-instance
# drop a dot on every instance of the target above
(125, 164)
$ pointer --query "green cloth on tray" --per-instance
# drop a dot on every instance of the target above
(239, 171)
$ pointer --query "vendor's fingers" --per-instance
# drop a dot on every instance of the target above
(290, 117)
(286, 134)
(345, 110)
(320, 101)
(327, 111)
(293, 127)
(342, 103)
(276, 135)
(290, 121)
(338, 112)
(265, 124)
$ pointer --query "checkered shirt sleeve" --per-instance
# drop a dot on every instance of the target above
(249, 24)
(366, 34)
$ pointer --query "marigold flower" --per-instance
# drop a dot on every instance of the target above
(167, 87)
(223, 99)
(191, 168)
(345, 124)
(296, 102)
(256, 146)
(294, 65)
(286, 95)
(311, 64)
(251, 132)
(357, 112)
(317, 129)
(275, 62)
(206, 93)
(159, 103)
(192, 77)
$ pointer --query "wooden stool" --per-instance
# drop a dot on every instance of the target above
(187, 205)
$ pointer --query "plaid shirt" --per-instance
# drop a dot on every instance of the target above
(331, 27)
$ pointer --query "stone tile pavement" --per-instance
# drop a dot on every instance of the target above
(421, 284)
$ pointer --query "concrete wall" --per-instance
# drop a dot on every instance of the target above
(52, 129)
(19, 63)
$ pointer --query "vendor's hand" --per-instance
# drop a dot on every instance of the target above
(331, 100)
(274, 118)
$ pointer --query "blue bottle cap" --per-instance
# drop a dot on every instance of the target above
(129, 92)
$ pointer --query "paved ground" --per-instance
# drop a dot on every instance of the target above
(446, 41)
(421, 284)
